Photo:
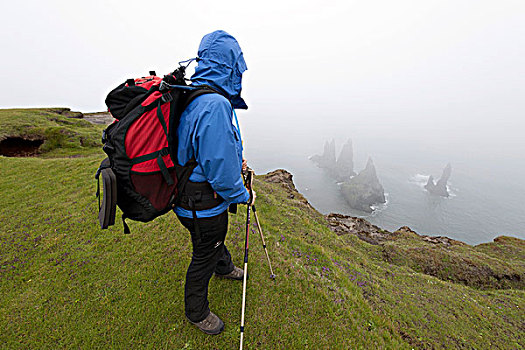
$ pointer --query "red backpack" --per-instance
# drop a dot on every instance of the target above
(141, 174)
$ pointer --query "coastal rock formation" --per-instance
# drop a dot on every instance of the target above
(341, 169)
(344, 167)
(440, 188)
(327, 159)
(364, 190)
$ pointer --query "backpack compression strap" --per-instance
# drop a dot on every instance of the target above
(167, 97)
(163, 152)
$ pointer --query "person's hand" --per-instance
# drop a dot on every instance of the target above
(252, 202)
(244, 165)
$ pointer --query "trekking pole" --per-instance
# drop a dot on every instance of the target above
(272, 275)
(249, 178)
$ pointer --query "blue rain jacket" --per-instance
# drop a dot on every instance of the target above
(206, 128)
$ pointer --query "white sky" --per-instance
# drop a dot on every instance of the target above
(394, 62)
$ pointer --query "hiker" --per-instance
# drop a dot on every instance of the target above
(207, 132)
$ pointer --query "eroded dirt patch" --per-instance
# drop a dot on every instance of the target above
(19, 147)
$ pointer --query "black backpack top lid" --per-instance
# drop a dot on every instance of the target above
(128, 95)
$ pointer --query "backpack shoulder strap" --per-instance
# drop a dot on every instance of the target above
(196, 93)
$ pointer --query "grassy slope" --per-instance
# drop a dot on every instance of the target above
(499, 264)
(62, 135)
(67, 284)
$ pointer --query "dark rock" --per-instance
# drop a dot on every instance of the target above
(406, 230)
(344, 224)
(440, 188)
(441, 240)
(283, 177)
(364, 190)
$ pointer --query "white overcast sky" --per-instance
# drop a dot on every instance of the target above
(441, 61)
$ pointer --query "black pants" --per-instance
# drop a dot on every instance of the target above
(209, 255)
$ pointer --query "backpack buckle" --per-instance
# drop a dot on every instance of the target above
(164, 152)
(167, 97)
(164, 86)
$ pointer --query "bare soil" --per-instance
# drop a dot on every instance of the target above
(19, 147)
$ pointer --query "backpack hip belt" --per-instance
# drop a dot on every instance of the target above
(199, 196)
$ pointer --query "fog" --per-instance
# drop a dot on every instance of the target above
(408, 81)
(432, 66)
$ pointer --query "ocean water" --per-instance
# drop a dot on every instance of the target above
(487, 184)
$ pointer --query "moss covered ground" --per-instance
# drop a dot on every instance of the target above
(64, 283)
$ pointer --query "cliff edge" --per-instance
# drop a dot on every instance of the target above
(496, 265)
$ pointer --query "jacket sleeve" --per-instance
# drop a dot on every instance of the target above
(218, 151)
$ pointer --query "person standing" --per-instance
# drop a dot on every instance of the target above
(209, 134)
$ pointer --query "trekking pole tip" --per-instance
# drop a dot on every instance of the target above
(272, 276)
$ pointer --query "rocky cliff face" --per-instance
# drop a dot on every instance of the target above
(364, 190)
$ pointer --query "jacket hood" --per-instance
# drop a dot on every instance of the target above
(220, 65)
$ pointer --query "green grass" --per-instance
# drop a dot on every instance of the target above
(60, 133)
(64, 283)
(499, 264)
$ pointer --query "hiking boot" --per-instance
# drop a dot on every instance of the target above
(236, 274)
(212, 324)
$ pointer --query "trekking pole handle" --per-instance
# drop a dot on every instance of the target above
(249, 183)
(244, 171)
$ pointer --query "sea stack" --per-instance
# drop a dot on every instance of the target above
(341, 169)
(327, 159)
(440, 188)
(364, 190)
(344, 168)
